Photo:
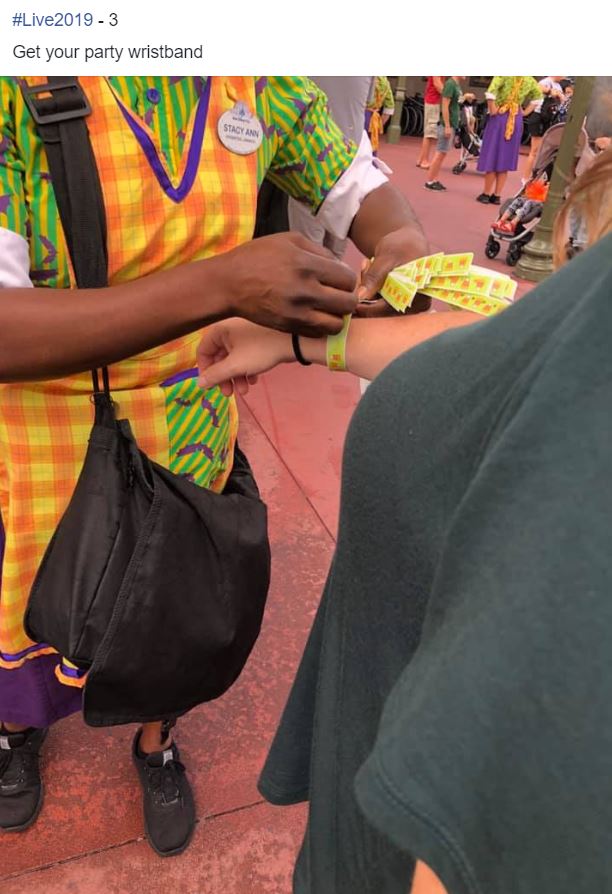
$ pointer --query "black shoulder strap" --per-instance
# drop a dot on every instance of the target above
(59, 109)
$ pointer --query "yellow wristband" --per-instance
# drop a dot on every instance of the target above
(336, 347)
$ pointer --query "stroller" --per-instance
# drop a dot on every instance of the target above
(466, 138)
(542, 170)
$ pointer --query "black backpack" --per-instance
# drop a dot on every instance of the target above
(154, 586)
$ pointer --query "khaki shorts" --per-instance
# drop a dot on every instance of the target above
(432, 117)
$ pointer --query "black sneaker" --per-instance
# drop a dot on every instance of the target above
(21, 788)
(435, 185)
(484, 198)
(169, 809)
(494, 200)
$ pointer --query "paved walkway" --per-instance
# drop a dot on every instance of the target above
(89, 837)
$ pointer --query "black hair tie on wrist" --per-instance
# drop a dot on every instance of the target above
(295, 341)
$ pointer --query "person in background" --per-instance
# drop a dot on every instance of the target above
(542, 117)
(431, 118)
(380, 108)
(501, 140)
(568, 94)
(447, 125)
(347, 99)
(453, 706)
(577, 219)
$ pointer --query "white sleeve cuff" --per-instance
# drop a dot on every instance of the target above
(490, 96)
(338, 210)
(14, 261)
(381, 165)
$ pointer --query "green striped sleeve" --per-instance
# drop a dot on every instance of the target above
(306, 150)
(13, 213)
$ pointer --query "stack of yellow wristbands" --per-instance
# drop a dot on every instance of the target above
(452, 279)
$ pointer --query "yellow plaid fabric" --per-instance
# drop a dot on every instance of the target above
(44, 427)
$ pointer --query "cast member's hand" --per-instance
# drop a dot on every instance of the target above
(392, 251)
(288, 283)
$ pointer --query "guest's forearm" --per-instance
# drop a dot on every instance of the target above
(373, 344)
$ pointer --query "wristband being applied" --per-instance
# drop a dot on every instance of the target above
(452, 279)
(336, 347)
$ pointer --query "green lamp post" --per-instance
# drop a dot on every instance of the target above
(394, 129)
(536, 262)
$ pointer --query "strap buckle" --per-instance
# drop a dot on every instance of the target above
(67, 101)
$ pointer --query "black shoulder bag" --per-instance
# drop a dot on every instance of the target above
(153, 585)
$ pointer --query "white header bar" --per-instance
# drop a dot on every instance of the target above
(332, 37)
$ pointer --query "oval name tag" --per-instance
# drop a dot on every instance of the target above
(239, 130)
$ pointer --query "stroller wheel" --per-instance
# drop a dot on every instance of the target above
(512, 258)
(492, 248)
(459, 167)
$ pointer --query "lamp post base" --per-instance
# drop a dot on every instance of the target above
(536, 261)
(393, 133)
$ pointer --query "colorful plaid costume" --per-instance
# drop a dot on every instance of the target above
(173, 194)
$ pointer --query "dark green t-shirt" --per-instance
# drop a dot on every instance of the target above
(454, 701)
(452, 91)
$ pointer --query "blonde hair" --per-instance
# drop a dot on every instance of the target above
(590, 197)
